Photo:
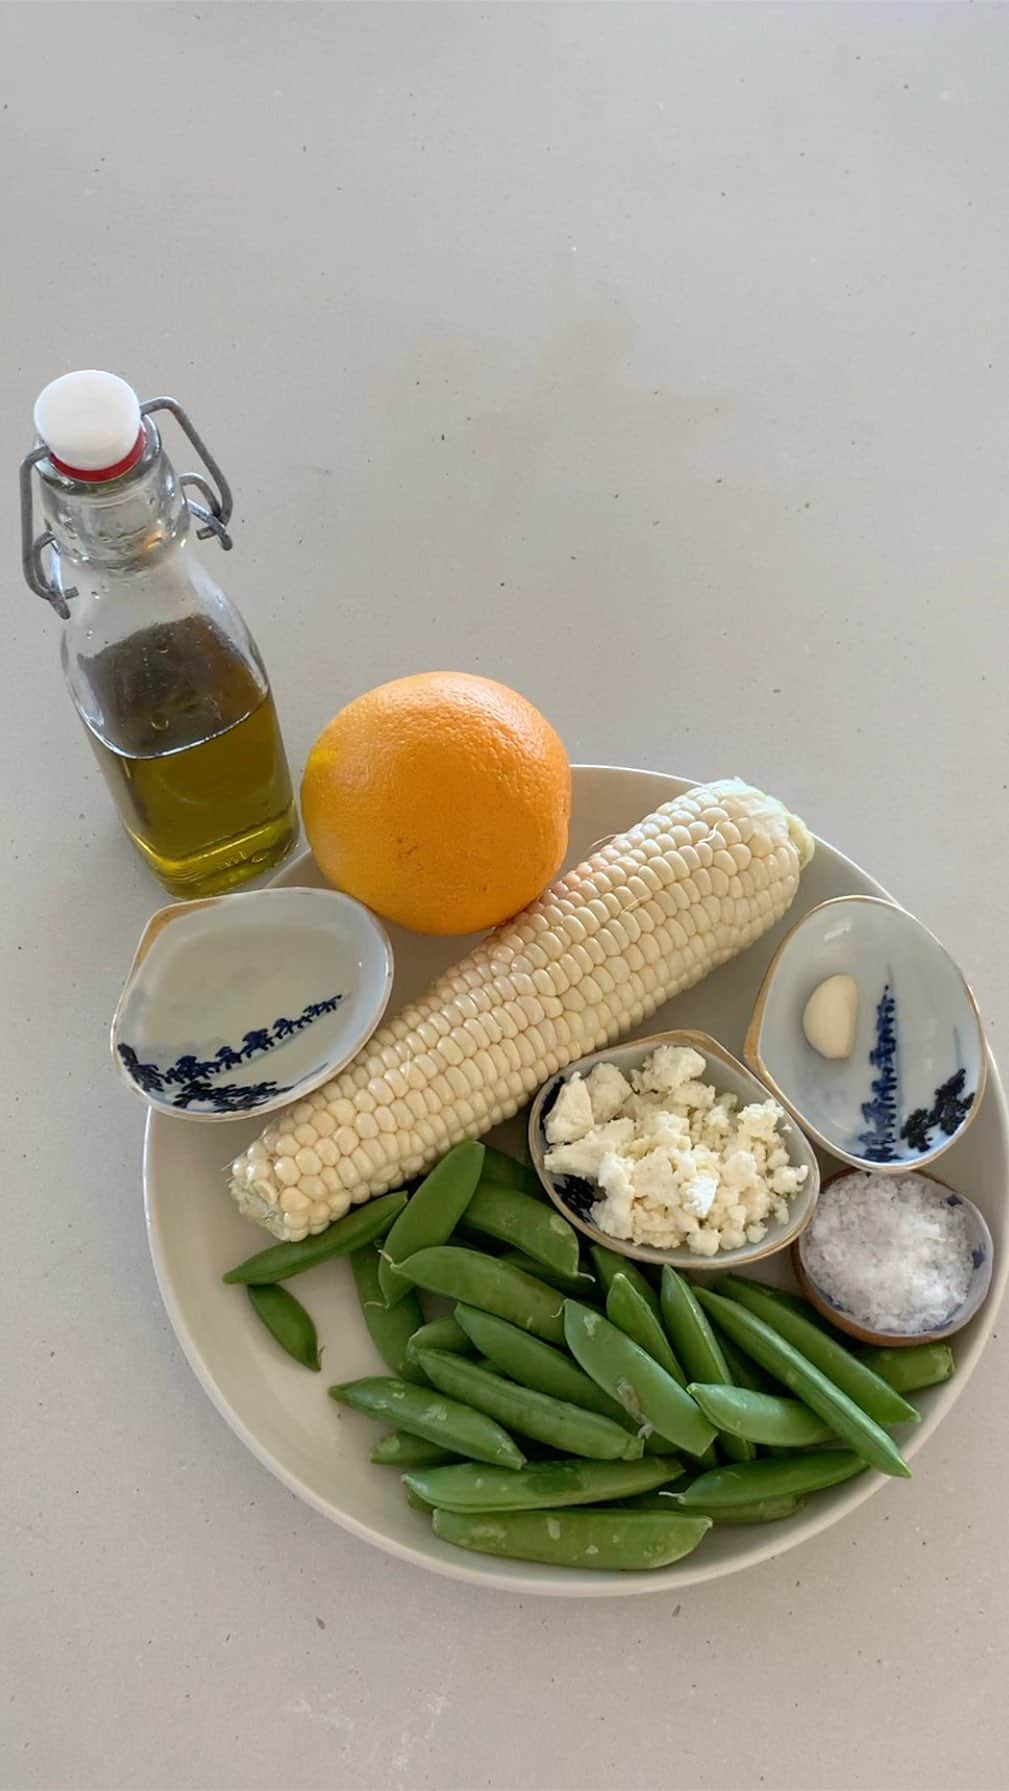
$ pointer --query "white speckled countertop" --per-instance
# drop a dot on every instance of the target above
(655, 360)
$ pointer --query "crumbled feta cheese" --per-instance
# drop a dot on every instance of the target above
(652, 1178)
(670, 1129)
(571, 1115)
(668, 1068)
(699, 1095)
(739, 1170)
(704, 1243)
(583, 1156)
(719, 1118)
(699, 1195)
(608, 1090)
(783, 1181)
(675, 1161)
(615, 1181)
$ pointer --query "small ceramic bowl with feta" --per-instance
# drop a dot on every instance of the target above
(867, 1031)
(669, 1150)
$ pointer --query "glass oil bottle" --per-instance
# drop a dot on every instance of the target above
(162, 669)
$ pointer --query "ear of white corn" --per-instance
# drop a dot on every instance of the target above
(644, 918)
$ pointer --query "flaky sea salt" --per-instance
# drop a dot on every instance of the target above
(893, 1252)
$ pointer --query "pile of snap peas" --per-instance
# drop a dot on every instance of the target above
(566, 1408)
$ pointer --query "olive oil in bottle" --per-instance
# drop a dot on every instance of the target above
(164, 673)
(198, 772)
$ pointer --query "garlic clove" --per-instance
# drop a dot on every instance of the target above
(830, 1017)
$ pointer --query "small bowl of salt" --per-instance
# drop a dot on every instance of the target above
(894, 1259)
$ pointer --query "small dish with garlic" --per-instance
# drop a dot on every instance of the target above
(669, 1150)
(867, 1032)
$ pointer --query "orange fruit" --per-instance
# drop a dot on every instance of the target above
(441, 800)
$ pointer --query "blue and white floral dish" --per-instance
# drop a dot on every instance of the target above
(243, 1003)
(917, 1073)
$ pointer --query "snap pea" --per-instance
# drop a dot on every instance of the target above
(469, 1238)
(908, 1370)
(764, 1511)
(581, 1285)
(747, 1482)
(415, 1502)
(807, 1382)
(531, 1227)
(432, 1213)
(541, 1485)
(508, 1172)
(760, 1417)
(535, 1364)
(632, 1314)
(867, 1389)
(628, 1309)
(281, 1261)
(490, 1284)
(697, 1346)
(658, 1445)
(761, 1511)
(593, 1538)
(782, 1296)
(390, 1329)
(440, 1333)
(627, 1372)
(743, 1372)
(398, 1449)
(555, 1421)
(608, 1263)
(286, 1320)
(426, 1414)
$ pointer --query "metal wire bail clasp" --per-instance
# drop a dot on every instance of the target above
(215, 512)
(212, 508)
(33, 547)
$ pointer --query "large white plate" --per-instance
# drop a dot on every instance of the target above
(321, 1451)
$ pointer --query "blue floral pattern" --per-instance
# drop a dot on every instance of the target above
(879, 1140)
(187, 1081)
(950, 1107)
